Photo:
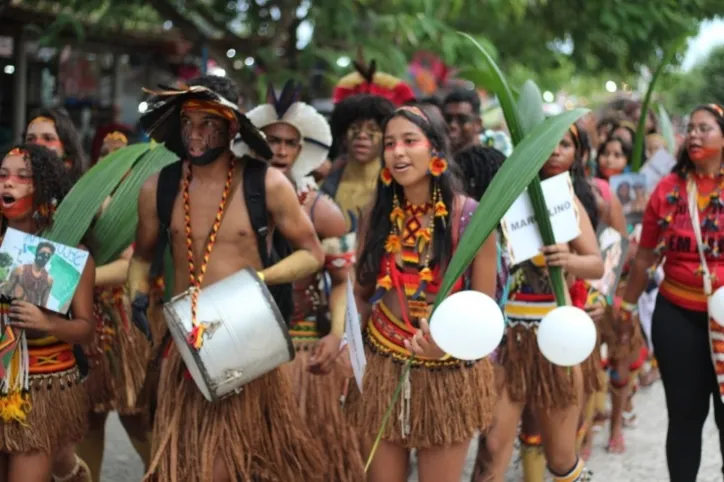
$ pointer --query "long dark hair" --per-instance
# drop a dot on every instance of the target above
(581, 186)
(378, 224)
(51, 180)
(68, 135)
(478, 165)
(684, 165)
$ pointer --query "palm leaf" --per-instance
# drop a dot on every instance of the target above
(511, 180)
(638, 149)
(496, 83)
(667, 130)
(530, 99)
(530, 107)
(116, 227)
(76, 212)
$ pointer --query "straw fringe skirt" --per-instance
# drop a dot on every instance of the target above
(318, 398)
(441, 403)
(57, 416)
(258, 434)
(118, 356)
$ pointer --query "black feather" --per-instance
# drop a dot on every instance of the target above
(289, 95)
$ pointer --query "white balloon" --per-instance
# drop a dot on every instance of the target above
(468, 325)
(566, 336)
(716, 306)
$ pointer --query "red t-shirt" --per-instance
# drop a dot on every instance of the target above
(667, 219)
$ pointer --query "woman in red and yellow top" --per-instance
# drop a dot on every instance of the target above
(687, 201)
(405, 242)
(43, 407)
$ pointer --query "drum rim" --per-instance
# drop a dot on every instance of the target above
(195, 354)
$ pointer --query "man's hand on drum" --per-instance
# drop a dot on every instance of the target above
(324, 353)
(422, 343)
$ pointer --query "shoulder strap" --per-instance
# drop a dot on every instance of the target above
(166, 192)
(331, 184)
(255, 197)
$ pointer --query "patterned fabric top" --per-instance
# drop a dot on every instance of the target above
(667, 229)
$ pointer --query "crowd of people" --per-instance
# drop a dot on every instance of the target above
(385, 209)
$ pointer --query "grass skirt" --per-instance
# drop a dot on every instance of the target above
(447, 404)
(58, 415)
(258, 433)
(118, 356)
(318, 399)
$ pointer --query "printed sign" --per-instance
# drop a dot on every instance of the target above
(630, 189)
(353, 337)
(39, 271)
(521, 229)
(613, 248)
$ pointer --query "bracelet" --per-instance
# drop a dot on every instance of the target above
(260, 275)
(629, 307)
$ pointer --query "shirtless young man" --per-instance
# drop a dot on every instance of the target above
(255, 435)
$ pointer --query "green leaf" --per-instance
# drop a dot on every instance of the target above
(667, 130)
(77, 210)
(517, 172)
(638, 149)
(502, 90)
(116, 227)
(530, 106)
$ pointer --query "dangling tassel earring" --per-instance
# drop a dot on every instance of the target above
(438, 166)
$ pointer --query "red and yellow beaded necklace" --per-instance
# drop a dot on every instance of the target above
(195, 338)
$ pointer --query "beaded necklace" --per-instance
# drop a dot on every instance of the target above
(195, 338)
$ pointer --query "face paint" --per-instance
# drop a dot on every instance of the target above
(19, 208)
(608, 172)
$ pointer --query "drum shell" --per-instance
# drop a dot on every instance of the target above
(247, 337)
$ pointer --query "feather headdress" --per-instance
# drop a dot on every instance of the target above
(313, 128)
(366, 80)
(162, 120)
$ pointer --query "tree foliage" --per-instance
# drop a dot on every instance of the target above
(552, 39)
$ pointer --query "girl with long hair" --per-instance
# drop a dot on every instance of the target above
(681, 226)
(45, 412)
(406, 241)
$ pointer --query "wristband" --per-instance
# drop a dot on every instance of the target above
(629, 307)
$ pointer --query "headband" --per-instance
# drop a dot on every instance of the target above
(574, 133)
(116, 136)
(716, 108)
(17, 151)
(208, 107)
(42, 119)
(414, 110)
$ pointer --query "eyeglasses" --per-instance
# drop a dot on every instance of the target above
(459, 118)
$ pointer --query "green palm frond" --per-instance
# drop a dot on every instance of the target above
(511, 180)
(116, 227)
(75, 214)
(639, 142)
(518, 171)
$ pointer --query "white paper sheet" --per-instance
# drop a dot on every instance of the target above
(353, 336)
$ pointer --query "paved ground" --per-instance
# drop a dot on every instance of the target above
(644, 460)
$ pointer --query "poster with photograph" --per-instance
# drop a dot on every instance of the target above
(630, 189)
(39, 271)
(613, 248)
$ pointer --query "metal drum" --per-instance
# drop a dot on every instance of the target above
(245, 339)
